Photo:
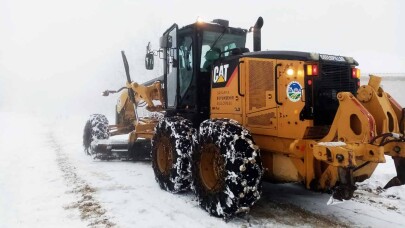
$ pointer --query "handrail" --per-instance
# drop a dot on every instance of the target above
(240, 94)
(276, 82)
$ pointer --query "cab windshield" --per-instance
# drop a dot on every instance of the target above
(214, 43)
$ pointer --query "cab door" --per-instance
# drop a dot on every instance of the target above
(170, 57)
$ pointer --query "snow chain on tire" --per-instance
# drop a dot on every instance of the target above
(171, 146)
(96, 128)
(239, 183)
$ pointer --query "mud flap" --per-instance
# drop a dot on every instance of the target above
(345, 189)
(400, 178)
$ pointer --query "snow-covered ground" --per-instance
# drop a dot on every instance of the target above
(46, 180)
(33, 192)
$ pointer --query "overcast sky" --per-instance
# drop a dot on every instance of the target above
(56, 54)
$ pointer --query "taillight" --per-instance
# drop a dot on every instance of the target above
(312, 70)
(355, 73)
(315, 69)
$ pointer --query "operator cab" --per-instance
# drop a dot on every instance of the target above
(188, 54)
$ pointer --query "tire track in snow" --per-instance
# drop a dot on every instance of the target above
(288, 214)
(90, 209)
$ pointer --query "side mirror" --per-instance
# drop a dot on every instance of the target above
(106, 93)
(149, 58)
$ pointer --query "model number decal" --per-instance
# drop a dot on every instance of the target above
(332, 58)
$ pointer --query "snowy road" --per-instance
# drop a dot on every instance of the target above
(47, 181)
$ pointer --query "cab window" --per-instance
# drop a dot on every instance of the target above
(185, 64)
(216, 44)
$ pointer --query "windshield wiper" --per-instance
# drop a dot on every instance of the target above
(219, 37)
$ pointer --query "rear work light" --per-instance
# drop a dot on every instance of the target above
(312, 70)
(355, 73)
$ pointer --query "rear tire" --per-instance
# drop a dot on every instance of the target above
(171, 146)
(96, 128)
(227, 168)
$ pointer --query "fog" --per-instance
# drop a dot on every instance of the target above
(56, 57)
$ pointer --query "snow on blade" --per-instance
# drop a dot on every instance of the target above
(332, 144)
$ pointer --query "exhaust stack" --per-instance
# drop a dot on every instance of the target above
(257, 34)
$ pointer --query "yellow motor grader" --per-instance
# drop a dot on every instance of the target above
(226, 119)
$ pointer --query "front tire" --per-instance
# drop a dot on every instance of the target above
(171, 146)
(95, 128)
(227, 168)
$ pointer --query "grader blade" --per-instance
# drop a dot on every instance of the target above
(108, 150)
(122, 150)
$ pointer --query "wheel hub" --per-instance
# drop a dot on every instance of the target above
(212, 167)
(164, 155)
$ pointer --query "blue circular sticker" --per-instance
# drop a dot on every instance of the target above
(294, 91)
